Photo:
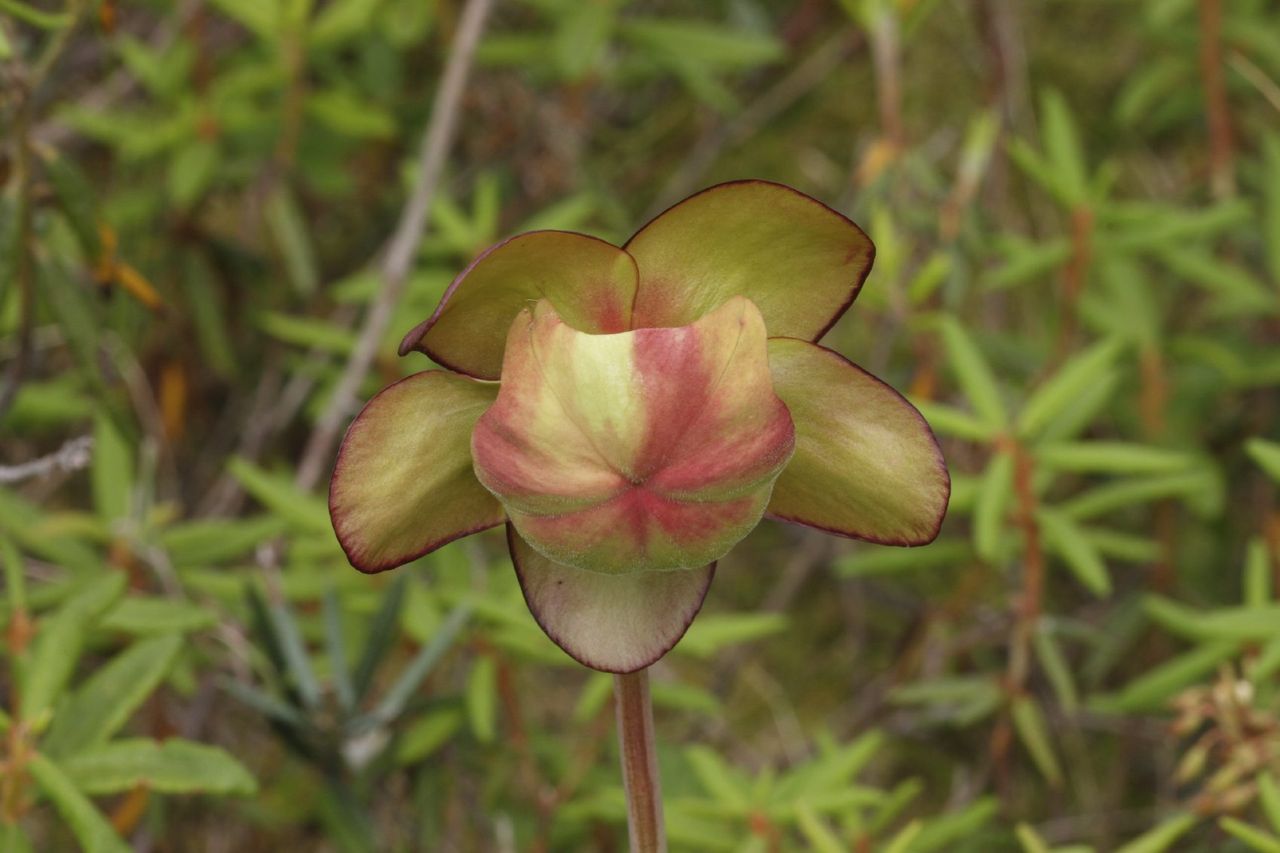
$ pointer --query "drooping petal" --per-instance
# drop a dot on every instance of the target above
(647, 450)
(866, 463)
(403, 484)
(613, 623)
(590, 282)
(798, 260)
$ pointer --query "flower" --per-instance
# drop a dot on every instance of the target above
(632, 413)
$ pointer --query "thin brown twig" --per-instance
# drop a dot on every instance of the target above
(1221, 168)
(71, 456)
(1256, 77)
(400, 255)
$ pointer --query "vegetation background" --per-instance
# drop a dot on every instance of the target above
(1077, 210)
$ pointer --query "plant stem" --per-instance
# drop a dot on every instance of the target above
(639, 762)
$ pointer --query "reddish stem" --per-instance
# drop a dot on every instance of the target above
(1221, 172)
(639, 762)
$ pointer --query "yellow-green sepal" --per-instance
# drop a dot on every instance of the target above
(866, 465)
(403, 483)
(609, 622)
(590, 282)
(798, 260)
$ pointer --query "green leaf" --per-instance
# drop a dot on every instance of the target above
(944, 554)
(90, 828)
(207, 542)
(383, 630)
(1266, 454)
(718, 779)
(311, 332)
(28, 526)
(716, 631)
(973, 373)
(289, 232)
(1255, 838)
(1040, 170)
(1150, 691)
(482, 699)
(265, 704)
(277, 492)
(904, 838)
(1257, 574)
(1269, 798)
(582, 36)
(12, 838)
(1111, 457)
(1069, 542)
(15, 579)
(427, 734)
(834, 769)
(398, 696)
(294, 650)
(36, 17)
(1030, 840)
(1223, 623)
(341, 21)
(103, 703)
(76, 198)
(1062, 147)
(347, 113)
(956, 700)
(685, 697)
(947, 420)
(1085, 412)
(1055, 665)
(1033, 731)
(1201, 488)
(1052, 399)
(208, 312)
(1237, 288)
(712, 45)
(1121, 546)
(995, 493)
(112, 471)
(138, 615)
(59, 641)
(192, 170)
(946, 831)
(1161, 837)
(175, 766)
(595, 693)
(336, 646)
(1026, 262)
(818, 834)
(260, 18)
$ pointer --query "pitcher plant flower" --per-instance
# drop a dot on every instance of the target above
(631, 413)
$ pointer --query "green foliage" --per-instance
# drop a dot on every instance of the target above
(1078, 285)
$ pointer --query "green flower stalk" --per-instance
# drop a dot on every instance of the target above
(632, 413)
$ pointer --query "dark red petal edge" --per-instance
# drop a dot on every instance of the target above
(857, 285)
(412, 341)
(371, 568)
(585, 661)
(942, 468)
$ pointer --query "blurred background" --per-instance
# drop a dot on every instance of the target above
(1076, 205)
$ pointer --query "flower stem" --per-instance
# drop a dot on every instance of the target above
(639, 762)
